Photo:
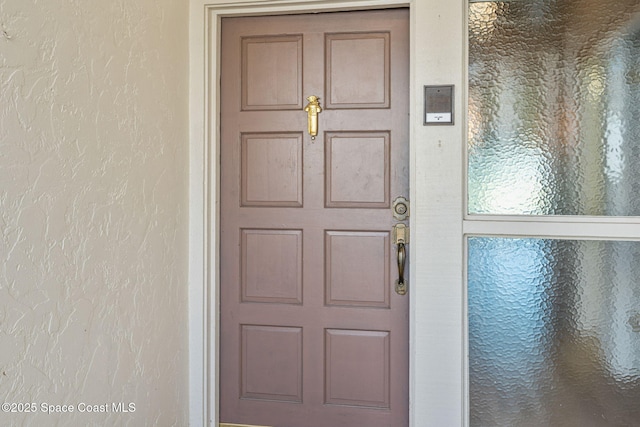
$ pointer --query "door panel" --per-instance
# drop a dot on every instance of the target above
(272, 73)
(354, 275)
(352, 356)
(312, 332)
(271, 169)
(357, 169)
(261, 252)
(357, 70)
(270, 378)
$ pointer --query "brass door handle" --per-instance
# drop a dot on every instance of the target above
(401, 286)
(312, 109)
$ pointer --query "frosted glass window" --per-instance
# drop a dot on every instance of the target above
(554, 332)
(554, 107)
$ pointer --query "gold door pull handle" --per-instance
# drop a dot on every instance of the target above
(312, 109)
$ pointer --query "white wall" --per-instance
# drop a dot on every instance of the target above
(94, 209)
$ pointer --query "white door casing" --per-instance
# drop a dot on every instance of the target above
(438, 40)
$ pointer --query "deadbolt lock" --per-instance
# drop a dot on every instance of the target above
(401, 208)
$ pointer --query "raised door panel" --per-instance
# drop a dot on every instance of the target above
(357, 169)
(357, 70)
(271, 363)
(271, 263)
(272, 72)
(357, 371)
(357, 268)
(271, 169)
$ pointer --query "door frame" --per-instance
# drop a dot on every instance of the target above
(436, 335)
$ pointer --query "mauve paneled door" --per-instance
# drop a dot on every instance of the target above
(313, 333)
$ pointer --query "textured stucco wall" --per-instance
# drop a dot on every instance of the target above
(93, 209)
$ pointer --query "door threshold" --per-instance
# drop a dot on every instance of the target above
(238, 425)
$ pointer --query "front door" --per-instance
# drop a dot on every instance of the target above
(313, 332)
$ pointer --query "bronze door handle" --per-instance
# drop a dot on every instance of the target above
(401, 286)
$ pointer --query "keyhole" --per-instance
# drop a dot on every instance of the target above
(401, 209)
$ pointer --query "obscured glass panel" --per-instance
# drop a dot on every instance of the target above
(554, 107)
(554, 332)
